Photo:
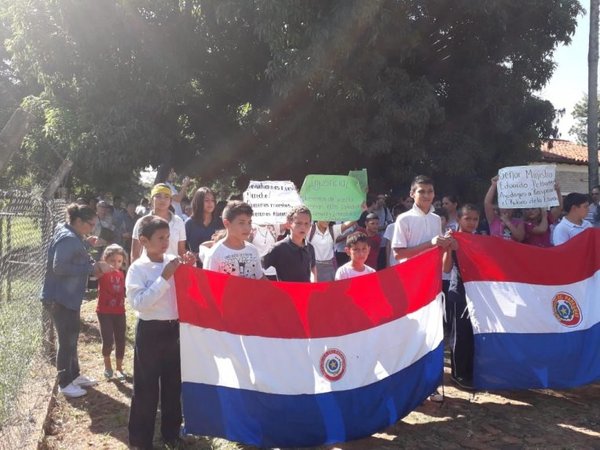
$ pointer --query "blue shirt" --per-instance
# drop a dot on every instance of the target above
(196, 233)
(67, 268)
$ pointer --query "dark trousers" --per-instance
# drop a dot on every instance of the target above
(66, 322)
(461, 338)
(156, 370)
(112, 330)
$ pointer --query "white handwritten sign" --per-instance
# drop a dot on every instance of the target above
(271, 200)
(527, 187)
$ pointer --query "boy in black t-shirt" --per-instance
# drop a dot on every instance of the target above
(292, 257)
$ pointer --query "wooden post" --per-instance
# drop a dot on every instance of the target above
(592, 125)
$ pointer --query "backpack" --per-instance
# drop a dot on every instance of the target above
(313, 230)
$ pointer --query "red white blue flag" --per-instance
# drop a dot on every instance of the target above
(535, 311)
(298, 364)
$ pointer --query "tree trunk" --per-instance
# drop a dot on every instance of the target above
(57, 179)
(12, 135)
(592, 125)
(162, 172)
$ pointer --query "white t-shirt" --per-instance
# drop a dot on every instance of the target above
(323, 243)
(346, 271)
(240, 263)
(149, 294)
(414, 227)
(388, 235)
(566, 230)
(176, 234)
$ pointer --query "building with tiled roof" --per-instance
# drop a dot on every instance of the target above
(571, 161)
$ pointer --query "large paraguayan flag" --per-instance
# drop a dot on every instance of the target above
(535, 311)
(297, 364)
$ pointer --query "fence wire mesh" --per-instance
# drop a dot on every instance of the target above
(26, 226)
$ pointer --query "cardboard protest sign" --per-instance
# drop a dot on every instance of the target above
(361, 176)
(271, 200)
(527, 186)
(332, 197)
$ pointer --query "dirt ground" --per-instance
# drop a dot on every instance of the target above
(507, 420)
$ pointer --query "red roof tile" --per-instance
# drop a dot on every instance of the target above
(561, 151)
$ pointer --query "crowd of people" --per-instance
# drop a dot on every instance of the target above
(148, 242)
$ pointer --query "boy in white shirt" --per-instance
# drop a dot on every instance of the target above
(357, 248)
(234, 255)
(419, 229)
(576, 206)
(156, 367)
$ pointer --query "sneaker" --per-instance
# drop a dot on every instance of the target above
(84, 381)
(120, 375)
(436, 397)
(72, 391)
(108, 373)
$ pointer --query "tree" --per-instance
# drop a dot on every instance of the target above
(254, 88)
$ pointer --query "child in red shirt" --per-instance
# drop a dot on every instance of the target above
(111, 310)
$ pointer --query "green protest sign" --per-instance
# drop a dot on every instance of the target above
(361, 176)
(332, 197)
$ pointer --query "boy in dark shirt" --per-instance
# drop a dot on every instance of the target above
(292, 257)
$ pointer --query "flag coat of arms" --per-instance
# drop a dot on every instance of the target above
(297, 364)
(535, 311)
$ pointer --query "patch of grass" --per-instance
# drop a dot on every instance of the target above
(21, 328)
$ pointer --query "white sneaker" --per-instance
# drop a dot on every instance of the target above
(72, 391)
(84, 381)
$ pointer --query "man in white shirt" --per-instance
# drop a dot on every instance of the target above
(576, 206)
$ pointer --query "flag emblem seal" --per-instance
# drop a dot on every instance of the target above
(333, 364)
(566, 310)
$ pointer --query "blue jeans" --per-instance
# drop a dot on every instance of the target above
(66, 322)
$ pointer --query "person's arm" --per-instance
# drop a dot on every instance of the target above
(488, 201)
(142, 298)
(181, 248)
(346, 225)
(557, 210)
(517, 232)
(407, 252)
(64, 254)
(447, 260)
(184, 185)
(542, 227)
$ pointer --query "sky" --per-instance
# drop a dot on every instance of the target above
(569, 81)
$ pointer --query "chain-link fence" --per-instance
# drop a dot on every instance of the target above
(26, 226)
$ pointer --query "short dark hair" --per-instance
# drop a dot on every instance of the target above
(574, 199)
(236, 208)
(300, 209)
(78, 211)
(151, 224)
(355, 238)
(371, 216)
(420, 179)
(466, 208)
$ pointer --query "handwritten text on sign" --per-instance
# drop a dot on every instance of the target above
(271, 200)
(527, 187)
(332, 197)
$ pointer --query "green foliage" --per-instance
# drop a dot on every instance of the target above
(580, 114)
(256, 88)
